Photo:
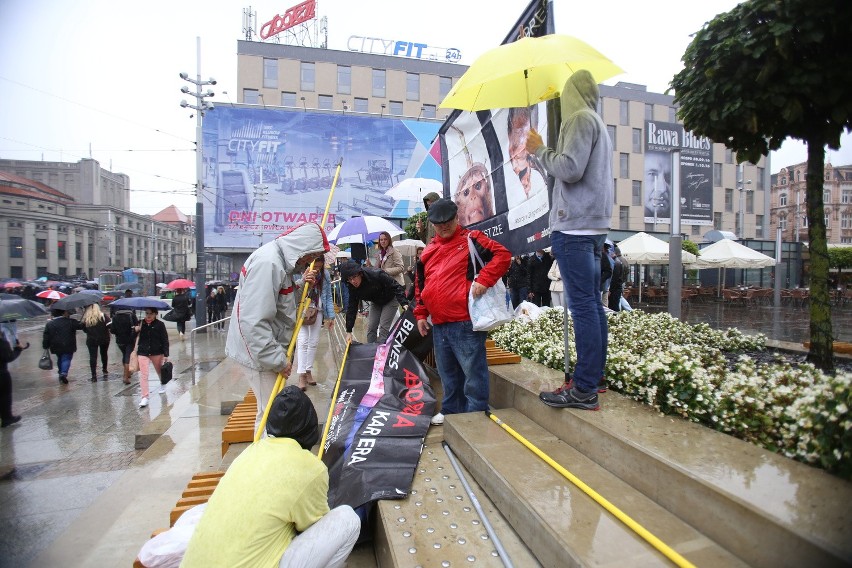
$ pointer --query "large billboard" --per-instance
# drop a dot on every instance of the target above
(696, 174)
(268, 169)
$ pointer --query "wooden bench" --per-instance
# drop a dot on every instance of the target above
(843, 347)
(240, 425)
(497, 356)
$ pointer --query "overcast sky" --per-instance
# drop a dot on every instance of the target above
(103, 74)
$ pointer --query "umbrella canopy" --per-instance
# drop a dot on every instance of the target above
(134, 286)
(140, 303)
(731, 254)
(160, 284)
(97, 293)
(343, 254)
(526, 72)
(643, 248)
(13, 285)
(51, 295)
(180, 284)
(18, 308)
(75, 301)
(362, 229)
(408, 247)
(415, 189)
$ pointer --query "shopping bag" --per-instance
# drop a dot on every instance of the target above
(493, 308)
(45, 362)
(166, 372)
(133, 365)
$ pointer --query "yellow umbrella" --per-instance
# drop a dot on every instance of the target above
(526, 72)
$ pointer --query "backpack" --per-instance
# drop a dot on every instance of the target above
(122, 327)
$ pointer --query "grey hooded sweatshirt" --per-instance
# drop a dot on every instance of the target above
(264, 314)
(582, 162)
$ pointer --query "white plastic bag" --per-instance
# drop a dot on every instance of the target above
(491, 309)
(527, 311)
(166, 550)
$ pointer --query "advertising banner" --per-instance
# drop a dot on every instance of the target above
(499, 187)
(696, 174)
(269, 169)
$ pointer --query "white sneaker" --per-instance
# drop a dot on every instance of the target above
(144, 402)
(162, 389)
(438, 419)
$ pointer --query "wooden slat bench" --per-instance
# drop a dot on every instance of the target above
(240, 425)
(497, 356)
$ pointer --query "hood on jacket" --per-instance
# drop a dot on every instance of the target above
(580, 93)
(430, 198)
(307, 238)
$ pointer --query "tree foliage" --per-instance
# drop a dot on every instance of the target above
(690, 246)
(765, 71)
(840, 257)
(411, 225)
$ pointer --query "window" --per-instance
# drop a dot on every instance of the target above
(749, 199)
(78, 251)
(782, 200)
(729, 200)
(379, 83)
(637, 192)
(307, 76)
(270, 73)
(696, 230)
(16, 271)
(91, 248)
(250, 96)
(846, 220)
(649, 111)
(444, 86)
(361, 105)
(344, 79)
(672, 115)
(624, 218)
(429, 111)
(827, 220)
(41, 248)
(395, 108)
(758, 225)
(717, 221)
(760, 178)
(846, 195)
(326, 102)
(717, 175)
(62, 249)
(729, 156)
(288, 99)
(624, 165)
(782, 224)
(783, 181)
(826, 196)
(610, 131)
(624, 112)
(637, 140)
(412, 87)
(16, 247)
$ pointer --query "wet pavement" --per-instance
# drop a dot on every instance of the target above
(75, 491)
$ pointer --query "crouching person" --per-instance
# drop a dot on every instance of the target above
(271, 507)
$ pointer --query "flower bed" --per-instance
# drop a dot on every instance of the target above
(786, 407)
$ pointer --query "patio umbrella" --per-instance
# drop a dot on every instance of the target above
(51, 295)
(362, 229)
(75, 301)
(526, 72)
(17, 308)
(725, 253)
(643, 248)
(408, 247)
(140, 303)
(414, 189)
(180, 284)
(134, 286)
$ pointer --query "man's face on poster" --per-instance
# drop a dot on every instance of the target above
(519, 128)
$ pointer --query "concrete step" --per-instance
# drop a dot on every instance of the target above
(762, 507)
(437, 525)
(556, 519)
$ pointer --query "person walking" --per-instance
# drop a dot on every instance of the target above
(221, 306)
(8, 353)
(538, 266)
(96, 327)
(309, 333)
(580, 216)
(123, 327)
(619, 276)
(380, 289)
(182, 313)
(448, 280)
(389, 259)
(518, 280)
(152, 348)
(557, 294)
(211, 305)
(60, 337)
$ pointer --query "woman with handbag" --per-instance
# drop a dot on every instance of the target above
(95, 326)
(180, 306)
(319, 311)
(152, 346)
(60, 337)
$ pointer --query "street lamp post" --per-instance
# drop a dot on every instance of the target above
(743, 191)
(200, 108)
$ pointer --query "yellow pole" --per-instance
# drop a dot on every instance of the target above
(333, 403)
(666, 550)
(300, 314)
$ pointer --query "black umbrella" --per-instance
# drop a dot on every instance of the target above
(17, 308)
(140, 303)
(135, 286)
(74, 301)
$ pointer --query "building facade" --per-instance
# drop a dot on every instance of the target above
(789, 203)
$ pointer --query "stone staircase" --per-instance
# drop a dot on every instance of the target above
(715, 500)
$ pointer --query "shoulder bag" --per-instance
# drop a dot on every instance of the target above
(492, 309)
(133, 364)
(312, 311)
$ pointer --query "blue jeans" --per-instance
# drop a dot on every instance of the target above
(63, 362)
(579, 258)
(518, 295)
(460, 355)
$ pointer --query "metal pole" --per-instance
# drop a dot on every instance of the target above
(776, 294)
(201, 261)
(675, 240)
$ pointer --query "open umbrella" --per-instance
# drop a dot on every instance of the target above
(17, 308)
(13, 285)
(134, 286)
(526, 72)
(51, 295)
(75, 301)
(180, 284)
(415, 189)
(140, 303)
(362, 229)
(408, 247)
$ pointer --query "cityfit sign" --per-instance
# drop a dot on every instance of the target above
(379, 46)
(298, 14)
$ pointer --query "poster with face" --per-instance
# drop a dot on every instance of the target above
(470, 170)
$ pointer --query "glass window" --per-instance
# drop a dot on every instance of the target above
(672, 114)
(729, 200)
(624, 165)
(412, 87)
(16, 271)
(649, 111)
(41, 248)
(846, 220)
(782, 199)
(62, 249)
(729, 156)
(758, 225)
(749, 202)
(696, 229)
(717, 221)
(428, 111)
(361, 105)
(16, 247)
(250, 96)
(610, 130)
(444, 86)
(717, 175)
(624, 112)
(379, 83)
(326, 102)
(307, 76)
(395, 108)
(270, 73)
(288, 99)
(826, 196)
(760, 173)
(637, 140)
(624, 218)
(344, 79)
(78, 251)
(846, 195)
(637, 192)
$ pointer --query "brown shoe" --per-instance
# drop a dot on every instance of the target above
(311, 380)
(303, 381)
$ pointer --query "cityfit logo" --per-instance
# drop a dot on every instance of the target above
(379, 46)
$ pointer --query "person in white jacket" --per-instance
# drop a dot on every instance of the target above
(557, 297)
(264, 311)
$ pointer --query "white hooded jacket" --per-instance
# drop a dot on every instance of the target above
(264, 313)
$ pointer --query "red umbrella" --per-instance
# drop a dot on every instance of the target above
(13, 285)
(51, 294)
(180, 284)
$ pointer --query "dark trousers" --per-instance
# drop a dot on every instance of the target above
(5, 395)
(181, 326)
(615, 293)
(541, 299)
(518, 295)
(93, 356)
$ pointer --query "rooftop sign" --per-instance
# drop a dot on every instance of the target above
(379, 46)
(298, 14)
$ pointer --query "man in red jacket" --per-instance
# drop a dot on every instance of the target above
(447, 279)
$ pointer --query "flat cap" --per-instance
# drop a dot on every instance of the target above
(442, 211)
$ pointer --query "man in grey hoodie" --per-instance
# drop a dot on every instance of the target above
(580, 215)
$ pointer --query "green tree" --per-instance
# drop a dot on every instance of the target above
(690, 246)
(411, 225)
(765, 71)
